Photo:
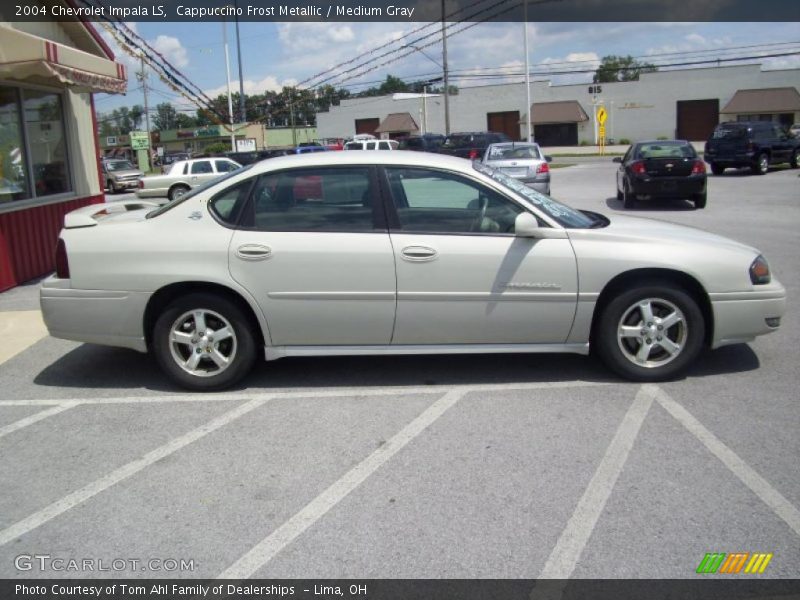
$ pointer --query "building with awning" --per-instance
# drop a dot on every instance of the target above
(397, 125)
(48, 150)
(770, 104)
(556, 123)
(676, 103)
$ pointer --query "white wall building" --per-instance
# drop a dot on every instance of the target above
(684, 103)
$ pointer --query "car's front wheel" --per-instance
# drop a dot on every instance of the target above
(177, 191)
(795, 160)
(204, 342)
(650, 333)
(628, 199)
(700, 200)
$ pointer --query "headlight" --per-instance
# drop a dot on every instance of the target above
(759, 271)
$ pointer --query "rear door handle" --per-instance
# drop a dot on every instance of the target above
(253, 252)
(418, 253)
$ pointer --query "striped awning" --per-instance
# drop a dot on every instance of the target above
(28, 57)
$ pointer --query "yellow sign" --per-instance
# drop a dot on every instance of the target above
(601, 131)
(602, 115)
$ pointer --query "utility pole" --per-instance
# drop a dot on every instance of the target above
(527, 72)
(228, 71)
(242, 113)
(143, 76)
(446, 81)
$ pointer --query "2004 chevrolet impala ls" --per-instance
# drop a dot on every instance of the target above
(396, 253)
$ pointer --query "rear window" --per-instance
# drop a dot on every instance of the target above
(730, 132)
(465, 141)
(512, 151)
(665, 150)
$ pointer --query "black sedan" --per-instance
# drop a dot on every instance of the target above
(661, 169)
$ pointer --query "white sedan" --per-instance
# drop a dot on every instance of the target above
(359, 253)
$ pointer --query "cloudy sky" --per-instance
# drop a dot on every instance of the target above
(277, 54)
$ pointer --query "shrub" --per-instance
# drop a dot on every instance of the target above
(624, 141)
(217, 148)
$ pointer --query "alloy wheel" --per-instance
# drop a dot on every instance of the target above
(202, 342)
(652, 332)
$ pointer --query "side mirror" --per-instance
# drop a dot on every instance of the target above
(526, 225)
(617, 159)
(548, 158)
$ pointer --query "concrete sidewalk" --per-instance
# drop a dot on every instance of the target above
(593, 150)
(21, 323)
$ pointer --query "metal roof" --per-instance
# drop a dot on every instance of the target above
(765, 100)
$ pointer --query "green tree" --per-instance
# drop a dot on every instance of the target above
(621, 68)
(166, 117)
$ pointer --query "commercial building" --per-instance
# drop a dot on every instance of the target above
(686, 104)
(48, 149)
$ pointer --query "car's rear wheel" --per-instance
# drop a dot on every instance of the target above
(204, 342)
(761, 166)
(177, 191)
(717, 169)
(650, 333)
(628, 199)
(700, 200)
(620, 197)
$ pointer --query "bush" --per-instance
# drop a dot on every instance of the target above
(584, 143)
(217, 148)
(662, 137)
(624, 141)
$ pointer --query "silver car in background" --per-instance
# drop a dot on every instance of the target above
(523, 161)
(185, 175)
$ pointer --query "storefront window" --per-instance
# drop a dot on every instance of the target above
(13, 171)
(44, 125)
(33, 145)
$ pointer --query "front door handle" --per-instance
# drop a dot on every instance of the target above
(419, 253)
(253, 252)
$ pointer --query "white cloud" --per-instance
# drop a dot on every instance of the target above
(171, 48)
(269, 83)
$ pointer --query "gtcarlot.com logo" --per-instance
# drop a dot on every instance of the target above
(734, 563)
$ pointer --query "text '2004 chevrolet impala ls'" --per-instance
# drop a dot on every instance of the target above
(354, 253)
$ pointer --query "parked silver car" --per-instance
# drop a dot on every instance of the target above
(523, 161)
(183, 176)
(349, 253)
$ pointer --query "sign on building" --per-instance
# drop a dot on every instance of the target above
(111, 140)
(246, 145)
(139, 140)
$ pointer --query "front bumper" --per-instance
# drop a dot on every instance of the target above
(741, 316)
(668, 187)
(127, 185)
(110, 318)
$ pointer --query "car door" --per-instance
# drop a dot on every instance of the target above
(463, 277)
(314, 251)
(781, 144)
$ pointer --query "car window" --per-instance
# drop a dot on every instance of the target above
(370, 145)
(324, 199)
(511, 151)
(411, 143)
(437, 201)
(353, 146)
(665, 150)
(119, 165)
(201, 166)
(223, 166)
(228, 204)
(730, 132)
(384, 146)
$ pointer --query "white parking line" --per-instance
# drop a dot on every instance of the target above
(75, 498)
(291, 393)
(270, 546)
(35, 418)
(757, 484)
(576, 534)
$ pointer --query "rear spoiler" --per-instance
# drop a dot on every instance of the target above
(88, 216)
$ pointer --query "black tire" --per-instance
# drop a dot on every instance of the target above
(717, 169)
(690, 331)
(111, 187)
(700, 200)
(761, 164)
(628, 199)
(207, 375)
(619, 196)
(178, 190)
(795, 160)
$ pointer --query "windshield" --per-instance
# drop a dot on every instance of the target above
(512, 151)
(665, 150)
(119, 165)
(194, 191)
(464, 141)
(563, 214)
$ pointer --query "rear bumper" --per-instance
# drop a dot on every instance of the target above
(152, 193)
(668, 187)
(741, 316)
(111, 318)
(744, 159)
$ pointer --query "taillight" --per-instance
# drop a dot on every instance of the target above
(62, 264)
(638, 167)
(699, 168)
(543, 168)
(473, 154)
(141, 184)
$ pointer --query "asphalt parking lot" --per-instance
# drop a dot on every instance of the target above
(407, 467)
